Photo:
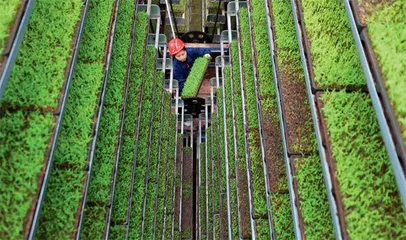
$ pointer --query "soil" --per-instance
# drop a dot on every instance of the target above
(296, 110)
(187, 193)
(274, 154)
(245, 218)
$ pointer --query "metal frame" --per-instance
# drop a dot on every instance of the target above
(15, 47)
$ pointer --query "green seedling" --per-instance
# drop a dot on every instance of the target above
(195, 78)
(335, 58)
(313, 200)
(368, 189)
(47, 43)
(8, 14)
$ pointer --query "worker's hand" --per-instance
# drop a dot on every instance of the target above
(207, 56)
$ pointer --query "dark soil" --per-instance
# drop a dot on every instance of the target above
(298, 119)
(245, 219)
(187, 195)
(274, 154)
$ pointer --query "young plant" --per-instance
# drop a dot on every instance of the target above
(386, 30)
(195, 78)
(335, 58)
(313, 200)
(47, 43)
(29, 133)
(8, 13)
(369, 193)
(258, 180)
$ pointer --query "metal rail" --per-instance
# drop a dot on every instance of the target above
(378, 105)
(41, 196)
(11, 55)
(322, 152)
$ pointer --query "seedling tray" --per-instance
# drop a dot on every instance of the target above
(331, 165)
(196, 84)
(309, 59)
(388, 110)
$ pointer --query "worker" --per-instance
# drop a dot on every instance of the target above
(184, 59)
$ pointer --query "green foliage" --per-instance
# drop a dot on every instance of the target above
(24, 140)
(234, 209)
(368, 189)
(143, 141)
(262, 228)
(386, 27)
(282, 216)
(313, 198)
(65, 184)
(215, 171)
(154, 158)
(171, 177)
(39, 72)
(8, 10)
(209, 140)
(335, 58)
(220, 137)
(164, 162)
(99, 186)
(195, 78)
(261, 43)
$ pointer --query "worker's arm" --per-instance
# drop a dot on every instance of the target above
(201, 52)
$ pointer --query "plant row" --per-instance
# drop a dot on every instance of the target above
(336, 62)
(242, 183)
(164, 167)
(66, 180)
(254, 141)
(154, 158)
(195, 78)
(8, 13)
(26, 135)
(386, 30)
(103, 163)
(209, 142)
(170, 182)
(299, 127)
(371, 202)
(231, 151)
(313, 200)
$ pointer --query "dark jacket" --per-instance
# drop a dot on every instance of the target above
(182, 69)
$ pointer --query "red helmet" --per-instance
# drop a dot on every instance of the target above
(175, 45)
